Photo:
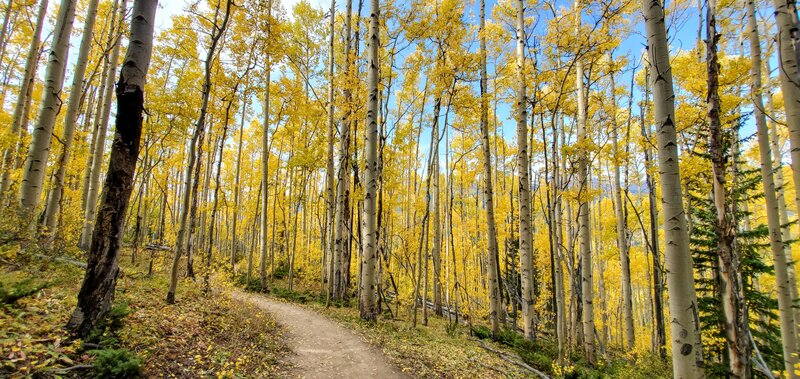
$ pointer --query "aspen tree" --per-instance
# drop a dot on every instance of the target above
(330, 201)
(367, 306)
(687, 352)
(492, 259)
(622, 227)
(265, 160)
(35, 165)
(189, 202)
(780, 252)
(584, 229)
(53, 207)
(97, 291)
(525, 235)
(20, 117)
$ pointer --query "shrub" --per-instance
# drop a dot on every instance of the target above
(116, 364)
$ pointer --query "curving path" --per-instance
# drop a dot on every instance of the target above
(323, 348)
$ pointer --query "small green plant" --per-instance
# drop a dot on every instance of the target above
(481, 331)
(116, 364)
(20, 289)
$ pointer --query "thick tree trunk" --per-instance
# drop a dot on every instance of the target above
(20, 117)
(39, 151)
(492, 259)
(367, 306)
(53, 207)
(687, 357)
(97, 290)
(525, 235)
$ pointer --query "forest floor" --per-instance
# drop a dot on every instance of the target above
(321, 347)
(201, 335)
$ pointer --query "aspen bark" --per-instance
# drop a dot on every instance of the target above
(687, 353)
(97, 291)
(53, 207)
(265, 162)
(492, 259)
(330, 201)
(367, 306)
(780, 251)
(343, 232)
(525, 235)
(584, 229)
(35, 165)
(20, 117)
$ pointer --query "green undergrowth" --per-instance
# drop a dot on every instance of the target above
(199, 336)
(444, 350)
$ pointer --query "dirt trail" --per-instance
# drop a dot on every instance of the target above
(321, 347)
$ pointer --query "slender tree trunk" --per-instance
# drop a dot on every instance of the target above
(786, 234)
(330, 201)
(53, 207)
(367, 306)
(237, 189)
(622, 224)
(525, 236)
(687, 357)
(210, 248)
(19, 119)
(780, 251)
(97, 291)
(265, 161)
(189, 205)
(584, 229)
(492, 259)
(39, 151)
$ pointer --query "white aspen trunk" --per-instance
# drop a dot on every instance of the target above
(342, 210)
(584, 229)
(53, 207)
(786, 231)
(19, 119)
(525, 236)
(492, 260)
(330, 201)
(367, 306)
(265, 163)
(39, 151)
(687, 353)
